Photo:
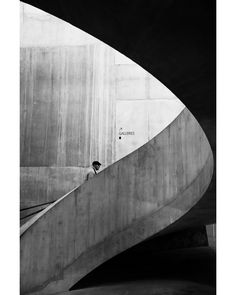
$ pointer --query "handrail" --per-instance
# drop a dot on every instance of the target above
(32, 214)
(29, 223)
(37, 205)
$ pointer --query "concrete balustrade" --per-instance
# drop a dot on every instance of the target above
(128, 202)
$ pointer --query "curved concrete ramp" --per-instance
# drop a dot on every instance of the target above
(128, 202)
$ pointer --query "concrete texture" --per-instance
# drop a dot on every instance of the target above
(76, 94)
(173, 40)
(126, 203)
(40, 29)
(145, 118)
(45, 184)
(169, 40)
(66, 106)
(67, 118)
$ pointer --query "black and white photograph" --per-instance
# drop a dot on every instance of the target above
(117, 143)
(117, 147)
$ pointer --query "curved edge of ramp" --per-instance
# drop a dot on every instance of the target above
(126, 203)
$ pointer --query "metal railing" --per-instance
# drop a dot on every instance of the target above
(35, 206)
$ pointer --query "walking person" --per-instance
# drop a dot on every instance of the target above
(93, 170)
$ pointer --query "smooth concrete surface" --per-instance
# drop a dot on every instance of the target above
(173, 40)
(40, 29)
(141, 86)
(76, 94)
(143, 119)
(45, 184)
(167, 38)
(67, 118)
(67, 106)
(126, 203)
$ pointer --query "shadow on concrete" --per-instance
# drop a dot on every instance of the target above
(149, 261)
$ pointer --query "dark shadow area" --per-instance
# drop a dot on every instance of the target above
(147, 287)
(187, 258)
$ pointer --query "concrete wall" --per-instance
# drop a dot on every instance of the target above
(76, 95)
(144, 107)
(67, 106)
(128, 202)
(67, 111)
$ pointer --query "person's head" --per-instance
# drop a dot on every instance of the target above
(96, 165)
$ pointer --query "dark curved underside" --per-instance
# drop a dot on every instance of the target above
(173, 40)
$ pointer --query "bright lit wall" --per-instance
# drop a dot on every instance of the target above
(80, 101)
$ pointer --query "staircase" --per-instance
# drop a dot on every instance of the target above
(130, 201)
